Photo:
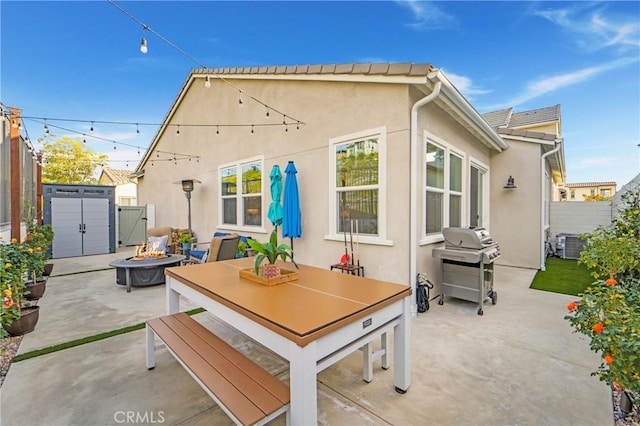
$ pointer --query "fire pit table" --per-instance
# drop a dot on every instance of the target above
(138, 272)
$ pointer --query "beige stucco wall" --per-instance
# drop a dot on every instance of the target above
(330, 110)
(516, 213)
(128, 190)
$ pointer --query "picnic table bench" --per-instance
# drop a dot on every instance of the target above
(246, 392)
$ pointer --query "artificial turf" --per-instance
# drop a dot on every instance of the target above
(89, 339)
(564, 276)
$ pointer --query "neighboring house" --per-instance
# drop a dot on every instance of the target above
(581, 190)
(395, 146)
(535, 159)
(20, 177)
(126, 188)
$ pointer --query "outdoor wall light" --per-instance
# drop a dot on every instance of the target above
(511, 183)
(207, 82)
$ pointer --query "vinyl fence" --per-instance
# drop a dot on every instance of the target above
(578, 217)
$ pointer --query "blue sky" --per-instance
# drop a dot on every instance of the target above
(81, 60)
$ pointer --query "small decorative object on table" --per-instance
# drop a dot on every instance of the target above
(271, 251)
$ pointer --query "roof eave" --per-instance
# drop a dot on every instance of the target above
(465, 113)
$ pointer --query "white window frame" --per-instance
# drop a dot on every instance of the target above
(446, 191)
(381, 134)
(239, 196)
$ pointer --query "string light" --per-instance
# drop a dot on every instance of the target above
(137, 129)
(138, 124)
(185, 54)
(91, 127)
(178, 130)
(252, 128)
(143, 45)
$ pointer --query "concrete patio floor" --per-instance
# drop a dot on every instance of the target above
(519, 364)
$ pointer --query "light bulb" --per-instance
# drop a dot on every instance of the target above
(207, 82)
(143, 45)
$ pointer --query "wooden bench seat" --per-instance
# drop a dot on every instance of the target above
(245, 391)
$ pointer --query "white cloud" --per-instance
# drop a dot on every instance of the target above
(427, 15)
(556, 82)
(465, 85)
(592, 29)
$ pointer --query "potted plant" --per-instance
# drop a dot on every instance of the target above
(241, 251)
(17, 316)
(186, 239)
(270, 251)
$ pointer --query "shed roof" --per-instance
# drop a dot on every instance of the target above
(115, 176)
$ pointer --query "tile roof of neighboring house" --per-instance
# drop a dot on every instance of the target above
(536, 116)
(510, 119)
(405, 69)
(499, 118)
(588, 184)
(115, 176)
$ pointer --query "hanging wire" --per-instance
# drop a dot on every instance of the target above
(183, 156)
(194, 60)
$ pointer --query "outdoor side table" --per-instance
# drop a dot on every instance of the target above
(349, 269)
(143, 272)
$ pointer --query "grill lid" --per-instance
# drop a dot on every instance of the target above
(467, 238)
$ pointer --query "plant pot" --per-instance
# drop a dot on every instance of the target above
(36, 290)
(270, 271)
(26, 323)
(626, 403)
(48, 268)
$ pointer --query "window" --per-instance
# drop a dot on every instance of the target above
(443, 189)
(605, 192)
(357, 189)
(241, 204)
(477, 196)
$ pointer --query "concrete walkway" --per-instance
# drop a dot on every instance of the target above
(519, 364)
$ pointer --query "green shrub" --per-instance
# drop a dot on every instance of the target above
(608, 311)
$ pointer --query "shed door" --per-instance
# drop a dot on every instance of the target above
(132, 225)
(66, 221)
(95, 215)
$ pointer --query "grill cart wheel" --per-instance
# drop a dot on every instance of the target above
(480, 312)
(441, 301)
(494, 297)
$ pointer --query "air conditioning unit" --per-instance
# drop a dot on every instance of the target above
(572, 246)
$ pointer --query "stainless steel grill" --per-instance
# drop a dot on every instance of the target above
(467, 265)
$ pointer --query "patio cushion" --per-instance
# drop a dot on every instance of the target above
(157, 243)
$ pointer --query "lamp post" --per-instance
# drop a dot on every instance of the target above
(187, 187)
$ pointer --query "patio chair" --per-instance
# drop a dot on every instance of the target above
(161, 232)
(221, 247)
